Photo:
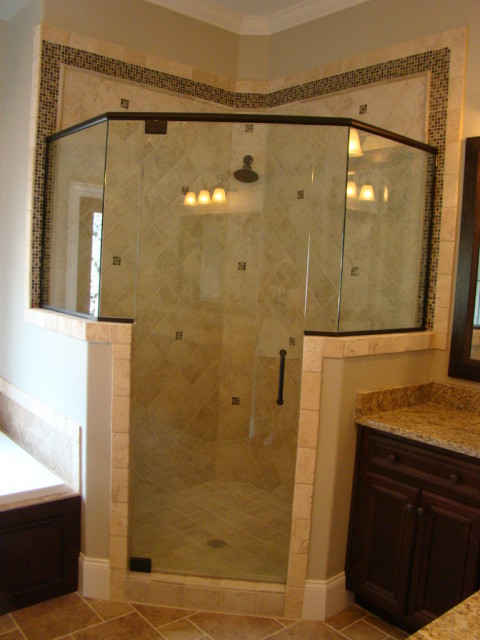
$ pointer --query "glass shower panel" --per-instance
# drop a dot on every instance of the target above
(73, 221)
(327, 228)
(123, 179)
(221, 291)
(386, 237)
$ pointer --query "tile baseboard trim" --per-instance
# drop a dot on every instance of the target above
(94, 577)
(325, 598)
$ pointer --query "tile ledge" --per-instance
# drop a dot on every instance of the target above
(367, 345)
(79, 328)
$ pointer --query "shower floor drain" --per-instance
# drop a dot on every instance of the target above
(216, 543)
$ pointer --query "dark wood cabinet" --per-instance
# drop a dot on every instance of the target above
(414, 534)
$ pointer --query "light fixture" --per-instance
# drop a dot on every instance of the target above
(190, 199)
(354, 146)
(210, 190)
(367, 193)
(218, 195)
(385, 193)
(351, 189)
(204, 197)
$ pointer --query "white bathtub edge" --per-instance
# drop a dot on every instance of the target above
(94, 577)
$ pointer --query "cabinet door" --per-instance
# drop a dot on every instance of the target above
(446, 557)
(382, 542)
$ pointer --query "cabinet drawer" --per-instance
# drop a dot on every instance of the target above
(426, 467)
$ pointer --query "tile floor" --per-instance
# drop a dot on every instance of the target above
(73, 617)
(253, 524)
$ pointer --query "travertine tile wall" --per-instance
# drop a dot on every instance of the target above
(53, 439)
(315, 349)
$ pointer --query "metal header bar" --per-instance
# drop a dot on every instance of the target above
(243, 117)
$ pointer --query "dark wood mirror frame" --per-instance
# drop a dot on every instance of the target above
(462, 365)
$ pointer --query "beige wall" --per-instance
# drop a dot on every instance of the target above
(143, 26)
(374, 25)
(341, 379)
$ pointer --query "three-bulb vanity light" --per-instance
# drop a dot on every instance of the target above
(204, 197)
(213, 191)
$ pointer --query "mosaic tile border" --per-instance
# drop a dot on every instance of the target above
(435, 62)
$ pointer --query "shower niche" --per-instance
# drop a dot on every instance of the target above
(225, 239)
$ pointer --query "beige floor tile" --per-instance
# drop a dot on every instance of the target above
(392, 631)
(159, 616)
(181, 630)
(108, 610)
(6, 623)
(361, 630)
(55, 618)
(125, 628)
(346, 617)
(12, 635)
(229, 627)
(307, 630)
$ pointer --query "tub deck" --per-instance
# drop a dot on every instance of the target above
(22, 477)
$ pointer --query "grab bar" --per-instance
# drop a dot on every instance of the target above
(281, 376)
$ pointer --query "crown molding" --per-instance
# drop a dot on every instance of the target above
(262, 25)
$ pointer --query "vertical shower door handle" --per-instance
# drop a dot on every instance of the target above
(281, 376)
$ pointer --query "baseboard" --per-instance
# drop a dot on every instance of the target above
(94, 577)
(324, 598)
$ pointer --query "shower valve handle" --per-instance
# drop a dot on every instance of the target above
(281, 376)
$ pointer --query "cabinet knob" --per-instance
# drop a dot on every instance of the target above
(409, 508)
(453, 478)
(420, 511)
(392, 457)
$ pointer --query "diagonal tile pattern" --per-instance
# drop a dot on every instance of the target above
(73, 617)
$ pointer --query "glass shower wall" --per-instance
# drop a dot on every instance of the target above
(221, 291)
(73, 221)
(386, 236)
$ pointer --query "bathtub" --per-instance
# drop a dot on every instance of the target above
(22, 477)
(39, 530)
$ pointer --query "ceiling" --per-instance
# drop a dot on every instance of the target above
(256, 17)
(246, 17)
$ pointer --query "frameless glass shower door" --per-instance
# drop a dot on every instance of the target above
(219, 323)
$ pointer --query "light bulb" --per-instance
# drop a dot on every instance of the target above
(351, 189)
(367, 193)
(354, 147)
(219, 195)
(204, 197)
(190, 199)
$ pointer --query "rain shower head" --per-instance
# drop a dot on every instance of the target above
(246, 173)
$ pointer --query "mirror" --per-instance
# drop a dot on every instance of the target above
(465, 346)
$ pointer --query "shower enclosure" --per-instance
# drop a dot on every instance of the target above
(226, 238)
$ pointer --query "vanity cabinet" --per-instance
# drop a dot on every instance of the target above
(414, 535)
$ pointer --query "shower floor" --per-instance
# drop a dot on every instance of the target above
(248, 530)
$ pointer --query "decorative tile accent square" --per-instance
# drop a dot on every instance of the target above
(178, 335)
(116, 261)
(291, 342)
(185, 190)
(362, 109)
(248, 128)
(242, 266)
(124, 103)
(354, 271)
(235, 400)
(300, 194)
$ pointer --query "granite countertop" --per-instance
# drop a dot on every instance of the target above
(441, 415)
(454, 429)
(445, 416)
(462, 623)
